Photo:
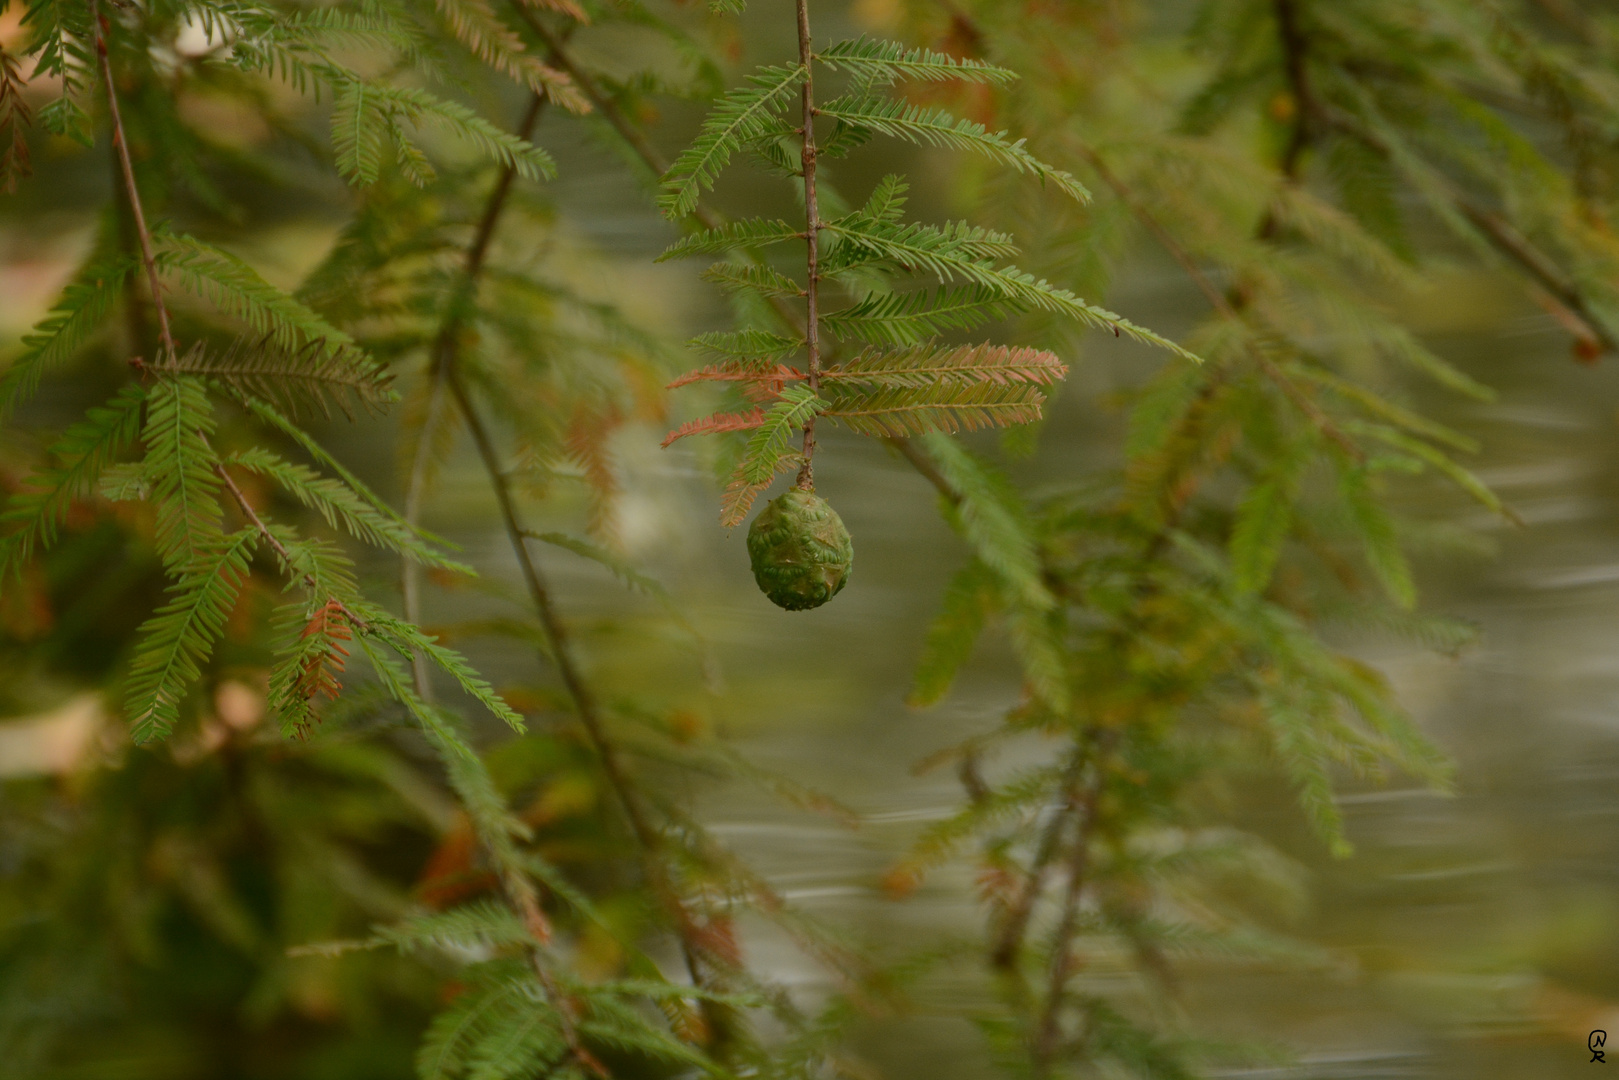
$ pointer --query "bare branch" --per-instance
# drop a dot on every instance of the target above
(120, 142)
(812, 238)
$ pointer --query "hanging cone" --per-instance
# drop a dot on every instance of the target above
(800, 550)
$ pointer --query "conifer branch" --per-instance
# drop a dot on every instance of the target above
(940, 406)
(647, 836)
(744, 115)
(1009, 940)
(1079, 801)
(655, 163)
(313, 376)
(446, 349)
(448, 386)
(874, 59)
(1538, 265)
(274, 542)
(1294, 45)
(1062, 958)
(607, 108)
(33, 514)
(1219, 302)
(1500, 233)
(15, 118)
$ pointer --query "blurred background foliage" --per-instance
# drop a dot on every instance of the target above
(1384, 225)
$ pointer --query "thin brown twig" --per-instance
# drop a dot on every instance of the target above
(1062, 953)
(522, 896)
(269, 537)
(134, 305)
(1295, 47)
(448, 385)
(446, 346)
(1003, 957)
(120, 141)
(447, 378)
(1508, 241)
(633, 136)
(446, 349)
(556, 633)
(586, 707)
(520, 893)
(812, 239)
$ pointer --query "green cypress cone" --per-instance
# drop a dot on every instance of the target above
(800, 551)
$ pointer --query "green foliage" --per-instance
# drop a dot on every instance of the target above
(180, 466)
(15, 117)
(32, 516)
(268, 414)
(962, 252)
(493, 1030)
(1263, 521)
(482, 32)
(179, 638)
(910, 318)
(753, 347)
(77, 315)
(992, 520)
(1309, 166)
(889, 61)
(996, 365)
(739, 118)
(367, 118)
(899, 411)
(767, 451)
(340, 505)
(1184, 602)
(1377, 532)
(753, 233)
(310, 377)
(928, 389)
(963, 614)
(381, 298)
(934, 127)
(237, 289)
(407, 639)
